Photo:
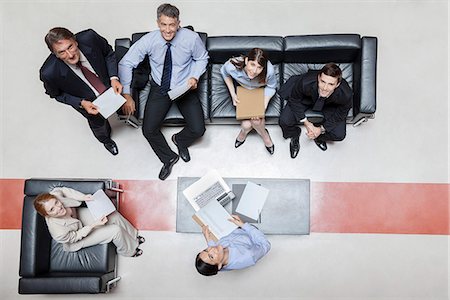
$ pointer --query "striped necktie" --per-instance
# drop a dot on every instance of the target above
(92, 78)
(167, 71)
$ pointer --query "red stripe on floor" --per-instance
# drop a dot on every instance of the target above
(403, 208)
(11, 203)
(380, 208)
(149, 204)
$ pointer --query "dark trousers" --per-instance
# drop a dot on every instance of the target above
(290, 128)
(100, 126)
(155, 111)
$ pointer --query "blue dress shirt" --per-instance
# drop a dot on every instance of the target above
(246, 246)
(189, 57)
(229, 70)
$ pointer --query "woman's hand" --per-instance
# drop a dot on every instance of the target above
(87, 197)
(102, 221)
(236, 220)
(206, 232)
(235, 99)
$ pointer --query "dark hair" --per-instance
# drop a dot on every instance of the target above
(39, 202)
(333, 70)
(168, 10)
(205, 268)
(57, 34)
(257, 55)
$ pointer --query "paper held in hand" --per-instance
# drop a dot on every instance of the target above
(109, 102)
(216, 217)
(178, 91)
(100, 205)
(251, 103)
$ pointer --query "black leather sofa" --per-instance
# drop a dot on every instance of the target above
(291, 55)
(45, 268)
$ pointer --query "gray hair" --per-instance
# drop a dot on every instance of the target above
(168, 10)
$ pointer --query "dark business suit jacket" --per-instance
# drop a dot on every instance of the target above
(61, 83)
(306, 92)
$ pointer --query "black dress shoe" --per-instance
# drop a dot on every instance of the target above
(270, 149)
(294, 146)
(238, 143)
(182, 151)
(111, 147)
(321, 144)
(167, 168)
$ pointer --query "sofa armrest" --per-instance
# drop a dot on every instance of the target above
(368, 75)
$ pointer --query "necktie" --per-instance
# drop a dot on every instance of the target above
(167, 71)
(92, 78)
(318, 106)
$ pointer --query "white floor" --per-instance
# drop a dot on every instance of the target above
(407, 142)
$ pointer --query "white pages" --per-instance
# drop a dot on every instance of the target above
(252, 200)
(178, 91)
(109, 102)
(100, 205)
(216, 217)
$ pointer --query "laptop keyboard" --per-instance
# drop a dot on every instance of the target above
(211, 193)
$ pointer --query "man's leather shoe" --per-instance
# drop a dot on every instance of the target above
(321, 144)
(182, 151)
(294, 146)
(167, 168)
(111, 147)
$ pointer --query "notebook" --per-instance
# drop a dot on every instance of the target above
(210, 187)
(100, 205)
(251, 103)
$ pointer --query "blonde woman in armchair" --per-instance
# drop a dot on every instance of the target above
(75, 227)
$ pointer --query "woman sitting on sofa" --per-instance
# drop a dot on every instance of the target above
(76, 228)
(240, 249)
(251, 71)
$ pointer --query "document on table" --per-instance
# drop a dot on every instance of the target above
(252, 200)
(178, 91)
(109, 102)
(216, 217)
(100, 205)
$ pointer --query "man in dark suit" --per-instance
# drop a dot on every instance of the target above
(322, 91)
(80, 68)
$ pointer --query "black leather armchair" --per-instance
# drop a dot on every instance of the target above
(45, 268)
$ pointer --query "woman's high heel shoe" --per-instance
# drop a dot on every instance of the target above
(270, 149)
(238, 143)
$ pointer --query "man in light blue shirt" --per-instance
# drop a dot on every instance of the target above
(177, 58)
(241, 249)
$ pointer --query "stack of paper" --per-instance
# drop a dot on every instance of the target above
(100, 205)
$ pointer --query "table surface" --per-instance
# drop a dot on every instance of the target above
(286, 210)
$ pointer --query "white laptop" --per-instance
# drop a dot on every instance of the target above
(209, 187)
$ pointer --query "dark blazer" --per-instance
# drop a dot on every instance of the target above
(61, 83)
(305, 93)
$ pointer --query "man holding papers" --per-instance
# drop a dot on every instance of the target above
(240, 249)
(79, 69)
(177, 60)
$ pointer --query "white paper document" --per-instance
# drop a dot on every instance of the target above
(216, 217)
(178, 91)
(100, 205)
(252, 200)
(109, 102)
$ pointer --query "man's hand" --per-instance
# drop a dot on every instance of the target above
(117, 87)
(193, 83)
(312, 131)
(128, 107)
(89, 107)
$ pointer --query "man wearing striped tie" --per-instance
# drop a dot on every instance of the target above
(177, 58)
(81, 67)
